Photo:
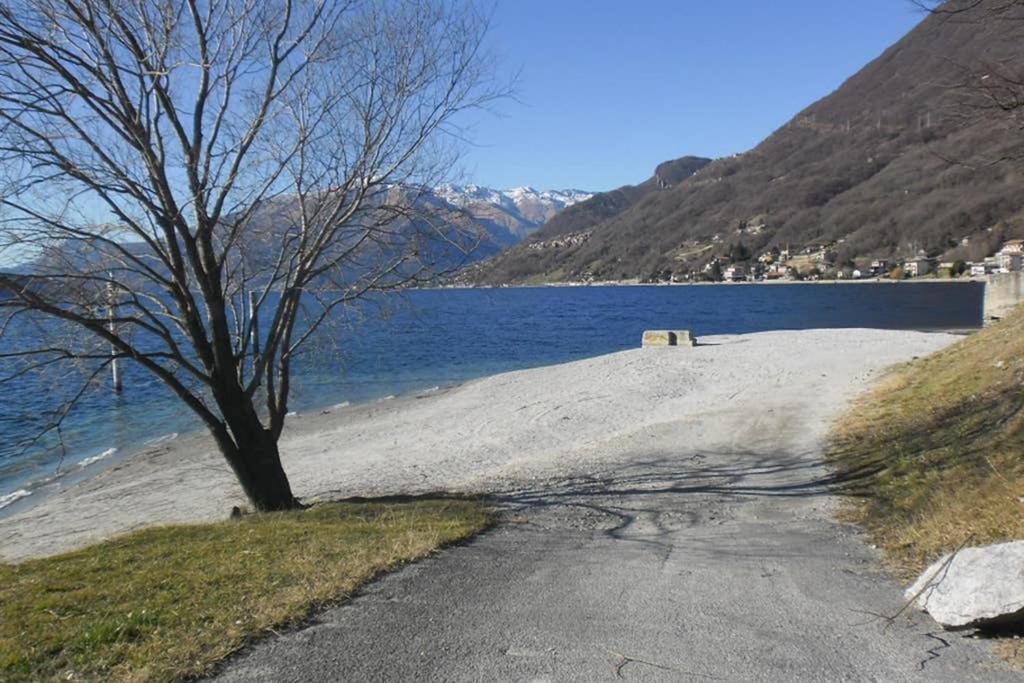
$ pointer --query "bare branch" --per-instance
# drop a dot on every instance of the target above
(163, 159)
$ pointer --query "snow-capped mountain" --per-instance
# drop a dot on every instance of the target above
(509, 215)
(477, 222)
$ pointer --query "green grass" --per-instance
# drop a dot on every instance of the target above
(935, 455)
(170, 602)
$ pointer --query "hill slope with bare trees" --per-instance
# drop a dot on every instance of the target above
(908, 155)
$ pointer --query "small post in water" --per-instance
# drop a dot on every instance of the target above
(115, 368)
(254, 330)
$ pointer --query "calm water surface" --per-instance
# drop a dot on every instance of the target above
(432, 338)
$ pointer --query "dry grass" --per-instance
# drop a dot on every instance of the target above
(935, 454)
(168, 603)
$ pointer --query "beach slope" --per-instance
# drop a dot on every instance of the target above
(758, 394)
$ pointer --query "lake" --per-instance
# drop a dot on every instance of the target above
(433, 338)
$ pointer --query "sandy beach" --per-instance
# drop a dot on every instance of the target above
(518, 430)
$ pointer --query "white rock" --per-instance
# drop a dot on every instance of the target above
(980, 586)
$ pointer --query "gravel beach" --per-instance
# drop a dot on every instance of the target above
(505, 432)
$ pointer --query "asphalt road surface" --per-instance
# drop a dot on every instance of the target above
(675, 564)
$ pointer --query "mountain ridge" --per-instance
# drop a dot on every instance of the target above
(865, 172)
(605, 205)
(509, 216)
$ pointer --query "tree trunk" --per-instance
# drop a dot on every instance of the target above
(262, 476)
(250, 449)
(256, 461)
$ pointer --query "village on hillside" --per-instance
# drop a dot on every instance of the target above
(821, 263)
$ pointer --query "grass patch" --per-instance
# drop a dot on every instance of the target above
(167, 603)
(935, 455)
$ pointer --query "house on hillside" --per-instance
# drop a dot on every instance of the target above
(879, 267)
(735, 273)
(918, 267)
(1010, 263)
(1013, 247)
(986, 267)
(1011, 256)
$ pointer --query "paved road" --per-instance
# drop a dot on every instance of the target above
(673, 565)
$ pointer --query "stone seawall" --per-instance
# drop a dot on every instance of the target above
(1003, 292)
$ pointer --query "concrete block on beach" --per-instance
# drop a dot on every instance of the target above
(668, 338)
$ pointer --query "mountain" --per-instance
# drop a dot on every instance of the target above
(509, 216)
(438, 231)
(900, 159)
(19, 281)
(573, 225)
(605, 205)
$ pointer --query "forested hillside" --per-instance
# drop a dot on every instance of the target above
(908, 155)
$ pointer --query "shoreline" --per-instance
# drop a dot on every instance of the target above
(637, 283)
(45, 486)
(92, 456)
(489, 434)
(38, 490)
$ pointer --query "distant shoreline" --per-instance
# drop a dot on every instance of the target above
(637, 283)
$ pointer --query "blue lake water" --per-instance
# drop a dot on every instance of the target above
(432, 338)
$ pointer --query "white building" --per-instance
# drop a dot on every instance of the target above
(987, 267)
(1010, 263)
(735, 273)
(880, 267)
(1013, 247)
(1011, 256)
(978, 269)
(917, 267)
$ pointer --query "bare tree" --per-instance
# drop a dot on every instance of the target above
(199, 184)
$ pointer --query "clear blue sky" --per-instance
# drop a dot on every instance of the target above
(610, 88)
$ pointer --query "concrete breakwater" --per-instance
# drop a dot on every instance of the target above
(1003, 292)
